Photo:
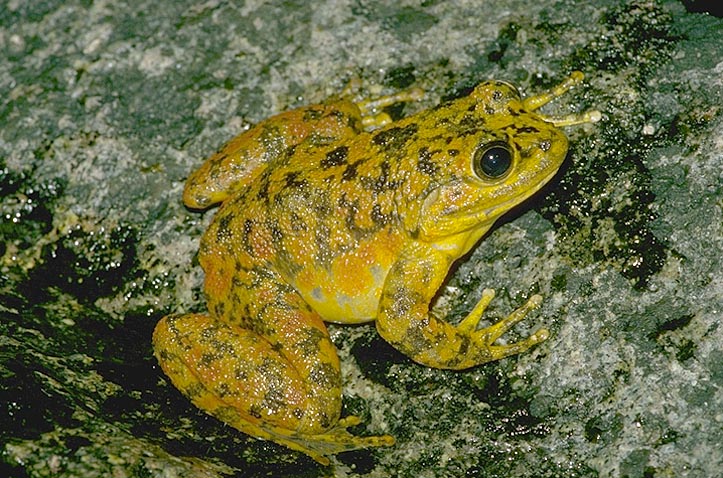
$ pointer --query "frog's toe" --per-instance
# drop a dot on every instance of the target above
(349, 421)
(335, 440)
(495, 331)
(490, 334)
(502, 351)
(371, 109)
(469, 324)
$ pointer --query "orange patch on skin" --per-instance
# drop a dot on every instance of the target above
(216, 282)
(354, 273)
(260, 243)
(308, 278)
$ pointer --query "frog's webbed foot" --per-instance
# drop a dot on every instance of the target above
(330, 442)
(487, 336)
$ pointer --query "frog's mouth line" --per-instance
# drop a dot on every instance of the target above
(499, 209)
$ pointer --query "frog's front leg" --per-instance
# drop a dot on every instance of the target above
(278, 379)
(405, 322)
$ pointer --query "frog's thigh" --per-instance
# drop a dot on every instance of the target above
(240, 161)
(247, 380)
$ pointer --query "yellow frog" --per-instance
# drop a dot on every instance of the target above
(322, 221)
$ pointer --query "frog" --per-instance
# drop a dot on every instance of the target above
(335, 213)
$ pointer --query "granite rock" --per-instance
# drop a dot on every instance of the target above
(105, 107)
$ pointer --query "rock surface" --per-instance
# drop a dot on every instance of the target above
(105, 107)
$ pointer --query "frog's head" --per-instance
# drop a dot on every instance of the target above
(499, 153)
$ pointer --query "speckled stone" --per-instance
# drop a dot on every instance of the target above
(105, 107)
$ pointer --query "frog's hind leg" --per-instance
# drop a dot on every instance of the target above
(239, 162)
(533, 103)
(249, 382)
(371, 109)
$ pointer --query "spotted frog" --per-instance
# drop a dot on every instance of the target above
(324, 221)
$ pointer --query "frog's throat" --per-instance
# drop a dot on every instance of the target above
(475, 222)
(493, 213)
(535, 102)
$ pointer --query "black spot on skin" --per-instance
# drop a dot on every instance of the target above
(401, 301)
(382, 182)
(472, 107)
(255, 411)
(277, 235)
(464, 345)
(272, 139)
(336, 114)
(292, 180)
(324, 421)
(219, 309)
(453, 152)
(236, 282)
(298, 224)
(497, 95)
(195, 390)
(395, 138)
(248, 227)
(379, 217)
(336, 157)
(263, 193)
(310, 344)
(325, 376)
(354, 123)
(415, 343)
(352, 208)
(528, 129)
(273, 400)
(523, 152)
(207, 359)
(240, 374)
(350, 172)
(321, 204)
(322, 239)
(312, 114)
(291, 150)
(424, 162)
(223, 230)
(469, 124)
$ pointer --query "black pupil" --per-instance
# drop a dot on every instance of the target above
(495, 161)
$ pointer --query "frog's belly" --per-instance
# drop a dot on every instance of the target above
(344, 309)
(348, 298)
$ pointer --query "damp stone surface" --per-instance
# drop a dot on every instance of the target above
(106, 107)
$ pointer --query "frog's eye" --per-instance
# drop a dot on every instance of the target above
(492, 160)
